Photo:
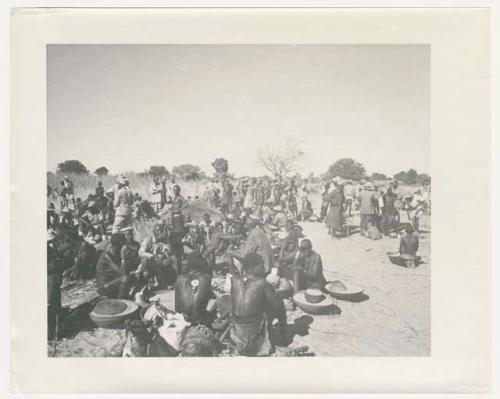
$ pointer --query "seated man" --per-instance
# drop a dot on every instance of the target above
(156, 258)
(193, 290)
(307, 268)
(194, 241)
(112, 280)
(408, 247)
(252, 300)
(289, 245)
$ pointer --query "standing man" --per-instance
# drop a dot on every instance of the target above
(349, 196)
(368, 202)
(123, 205)
(227, 196)
(291, 198)
(259, 197)
(178, 230)
(156, 193)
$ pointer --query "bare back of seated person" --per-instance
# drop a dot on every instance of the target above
(192, 293)
(252, 296)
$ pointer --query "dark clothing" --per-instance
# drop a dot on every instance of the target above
(308, 272)
(409, 245)
(335, 217)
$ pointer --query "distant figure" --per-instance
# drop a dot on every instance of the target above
(156, 192)
(349, 197)
(335, 216)
(368, 202)
(179, 204)
(123, 205)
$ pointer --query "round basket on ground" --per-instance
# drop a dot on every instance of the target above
(324, 304)
(342, 290)
(112, 313)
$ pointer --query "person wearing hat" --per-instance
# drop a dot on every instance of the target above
(349, 197)
(368, 202)
(156, 189)
(307, 268)
(123, 205)
(252, 299)
(193, 290)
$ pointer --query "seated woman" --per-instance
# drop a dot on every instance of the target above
(307, 268)
(112, 279)
(193, 290)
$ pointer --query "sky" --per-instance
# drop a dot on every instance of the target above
(128, 107)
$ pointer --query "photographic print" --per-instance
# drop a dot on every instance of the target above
(238, 200)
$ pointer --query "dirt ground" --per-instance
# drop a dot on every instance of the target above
(394, 319)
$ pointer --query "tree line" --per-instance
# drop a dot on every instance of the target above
(279, 163)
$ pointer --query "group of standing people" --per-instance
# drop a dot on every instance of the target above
(376, 206)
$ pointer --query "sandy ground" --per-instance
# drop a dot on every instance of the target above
(395, 318)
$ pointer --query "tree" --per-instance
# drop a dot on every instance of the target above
(72, 166)
(188, 172)
(423, 179)
(378, 176)
(281, 160)
(347, 168)
(157, 171)
(401, 176)
(221, 166)
(409, 177)
(102, 171)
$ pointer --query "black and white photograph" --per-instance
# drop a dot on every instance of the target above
(218, 200)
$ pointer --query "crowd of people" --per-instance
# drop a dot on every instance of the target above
(255, 241)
